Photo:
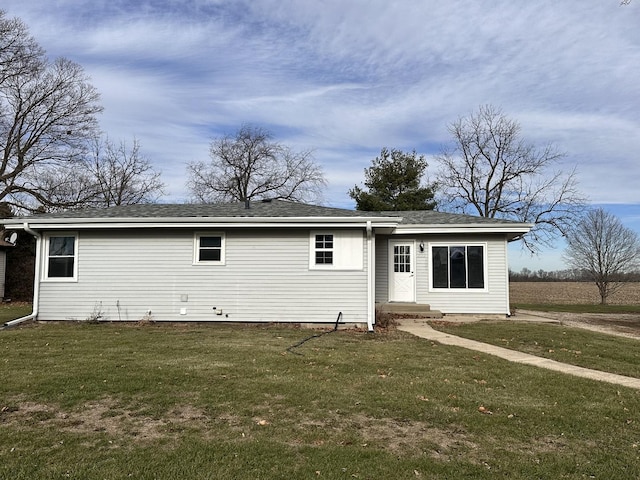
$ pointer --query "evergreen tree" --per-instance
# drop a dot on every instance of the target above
(394, 182)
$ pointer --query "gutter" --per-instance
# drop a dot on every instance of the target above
(203, 222)
(370, 277)
(36, 280)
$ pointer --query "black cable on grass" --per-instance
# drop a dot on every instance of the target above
(317, 335)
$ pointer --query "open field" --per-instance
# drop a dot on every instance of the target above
(107, 401)
(569, 293)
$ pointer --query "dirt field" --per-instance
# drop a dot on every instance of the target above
(583, 293)
(570, 293)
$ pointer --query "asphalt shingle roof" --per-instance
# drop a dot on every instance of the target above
(431, 217)
(274, 208)
(266, 209)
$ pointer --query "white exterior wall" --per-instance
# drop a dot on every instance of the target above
(494, 299)
(266, 278)
(382, 268)
(3, 272)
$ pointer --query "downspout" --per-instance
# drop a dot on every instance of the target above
(506, 261)
(370, 278)
(36, 281)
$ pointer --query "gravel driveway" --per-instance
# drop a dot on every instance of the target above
(623, 324)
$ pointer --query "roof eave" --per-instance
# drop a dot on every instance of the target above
(198, 222)
(512, 229)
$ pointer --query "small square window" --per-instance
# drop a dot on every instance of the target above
(324, 241)
(209, 248)
(324, 258)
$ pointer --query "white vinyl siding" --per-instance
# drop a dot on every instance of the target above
(336, 250)
(266, 278)
(382, 269)
(3, 271)
(492, 299)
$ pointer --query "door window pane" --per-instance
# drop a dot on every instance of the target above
(402, 258)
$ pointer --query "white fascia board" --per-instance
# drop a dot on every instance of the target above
(180, 222)
(514, 228)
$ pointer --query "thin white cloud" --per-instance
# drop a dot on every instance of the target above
(347, 78)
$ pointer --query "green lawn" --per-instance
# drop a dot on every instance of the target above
(576, 346)
(109, 401)
(11, 311)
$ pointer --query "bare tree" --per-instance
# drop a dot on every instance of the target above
(111, 174)
(47, 115)
(19, 52)
(602, 247)
(123, 176)
(61, 186)
(491, 171)
(251, 165)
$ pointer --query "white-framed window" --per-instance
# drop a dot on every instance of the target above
(324, 249)
(336, 250)
(209, 249)
(458, 266)
(61, 257)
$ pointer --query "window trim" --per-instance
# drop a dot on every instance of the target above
(463, 290)
(47, 245)
(325, 249)
(348, 250)
(196, 248)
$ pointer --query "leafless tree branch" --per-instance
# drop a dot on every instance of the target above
(490, 170)
(251, 165)
(47, 114)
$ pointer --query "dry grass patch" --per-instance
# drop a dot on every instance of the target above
(105, 416)
(398, 437)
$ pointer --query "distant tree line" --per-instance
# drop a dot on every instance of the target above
(566, 275)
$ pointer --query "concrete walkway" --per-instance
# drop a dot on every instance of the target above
(424, 330)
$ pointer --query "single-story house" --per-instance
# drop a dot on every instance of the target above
(266, 261)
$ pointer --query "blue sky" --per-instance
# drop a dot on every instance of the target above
(348, 77)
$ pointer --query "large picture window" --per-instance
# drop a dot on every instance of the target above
(61, 255)
(209, 248)
(458, 266)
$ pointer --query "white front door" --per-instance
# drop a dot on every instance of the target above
(402, 280)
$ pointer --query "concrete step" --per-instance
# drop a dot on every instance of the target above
(408, 310)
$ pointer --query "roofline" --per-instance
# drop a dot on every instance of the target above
(451, 228)
(509, 230)
(199, 222)
(390, 222)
